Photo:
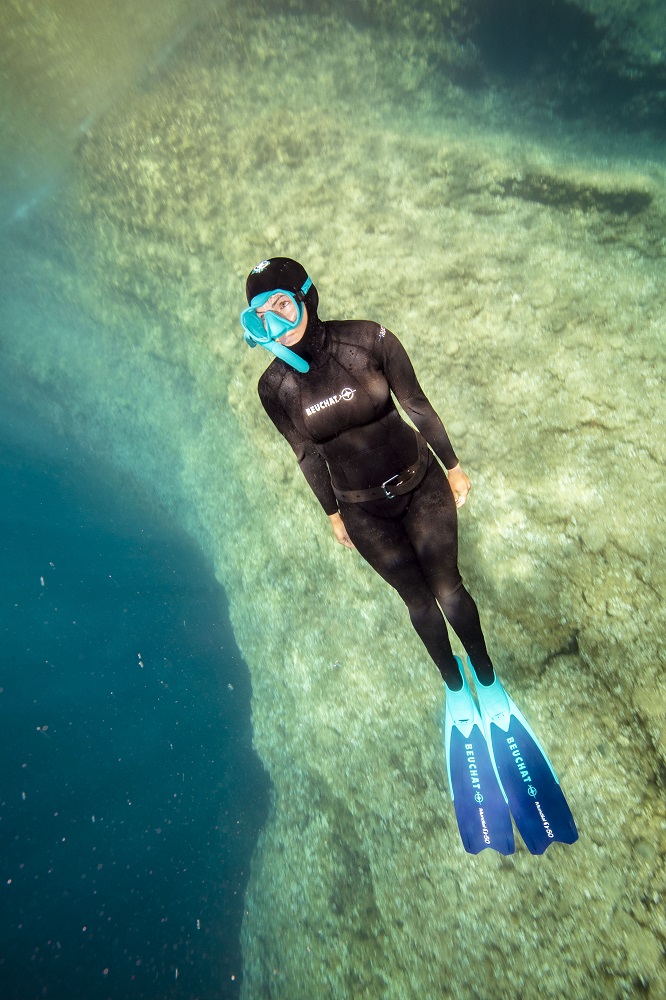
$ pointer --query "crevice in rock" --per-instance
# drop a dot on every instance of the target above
(557, 192)
(569, 648)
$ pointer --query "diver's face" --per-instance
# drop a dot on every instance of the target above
(283, 305)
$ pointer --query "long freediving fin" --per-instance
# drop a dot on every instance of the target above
(536, 801)
(479, 802)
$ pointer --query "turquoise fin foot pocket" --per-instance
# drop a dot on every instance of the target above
(536, 801)
(481, 810)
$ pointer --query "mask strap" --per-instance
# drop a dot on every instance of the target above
(304, 289)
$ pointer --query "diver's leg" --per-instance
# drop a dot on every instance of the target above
(384, 544)
(461, 611)
(431, 523)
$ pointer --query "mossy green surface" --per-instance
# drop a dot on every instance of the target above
(525, 278)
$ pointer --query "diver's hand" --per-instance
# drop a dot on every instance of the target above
(340, 531)
(460, 485)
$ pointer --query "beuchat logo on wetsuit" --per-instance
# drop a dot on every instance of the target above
(345, 396)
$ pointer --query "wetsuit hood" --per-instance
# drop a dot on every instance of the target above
(279, 275)
(282, 272)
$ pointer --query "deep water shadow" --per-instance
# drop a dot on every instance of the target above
(556, 56)
(131, 796)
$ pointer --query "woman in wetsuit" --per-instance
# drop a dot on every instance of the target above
(375, 477)
(329, 391)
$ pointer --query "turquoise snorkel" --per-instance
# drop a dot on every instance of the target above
(266, 330)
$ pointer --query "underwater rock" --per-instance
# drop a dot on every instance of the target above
(637, 32)
(62, 65)
(394, 199)
(574, 56)
(583, 57)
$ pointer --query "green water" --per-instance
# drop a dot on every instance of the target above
(518, 251)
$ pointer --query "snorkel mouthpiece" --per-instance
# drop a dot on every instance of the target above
(267, 329)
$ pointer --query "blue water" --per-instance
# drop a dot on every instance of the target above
(131, 797)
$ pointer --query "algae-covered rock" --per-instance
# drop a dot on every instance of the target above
(526, 280)
(571, 55)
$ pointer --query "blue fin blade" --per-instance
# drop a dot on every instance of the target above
(481, 810)
(536, 800)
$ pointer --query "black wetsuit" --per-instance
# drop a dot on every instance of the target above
(342, 423)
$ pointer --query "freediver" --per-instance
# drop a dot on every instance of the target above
(331, 391)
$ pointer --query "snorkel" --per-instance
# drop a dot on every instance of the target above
(266, 329)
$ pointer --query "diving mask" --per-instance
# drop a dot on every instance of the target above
(266, 329)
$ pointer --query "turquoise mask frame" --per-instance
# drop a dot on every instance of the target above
(266, 331)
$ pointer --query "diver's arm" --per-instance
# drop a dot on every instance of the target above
(340, 531)
(404, 384)
(401, 377)
(460, 484)
(312, 465)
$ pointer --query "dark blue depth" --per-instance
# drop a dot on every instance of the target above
(131, 798)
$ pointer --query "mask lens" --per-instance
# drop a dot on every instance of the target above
(278, 312)
(253, 325)
(282, 305)
(270, 316)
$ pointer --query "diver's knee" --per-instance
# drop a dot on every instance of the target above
(420, 605)
(450, 591)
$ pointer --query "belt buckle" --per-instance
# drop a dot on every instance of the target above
(388, 494)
